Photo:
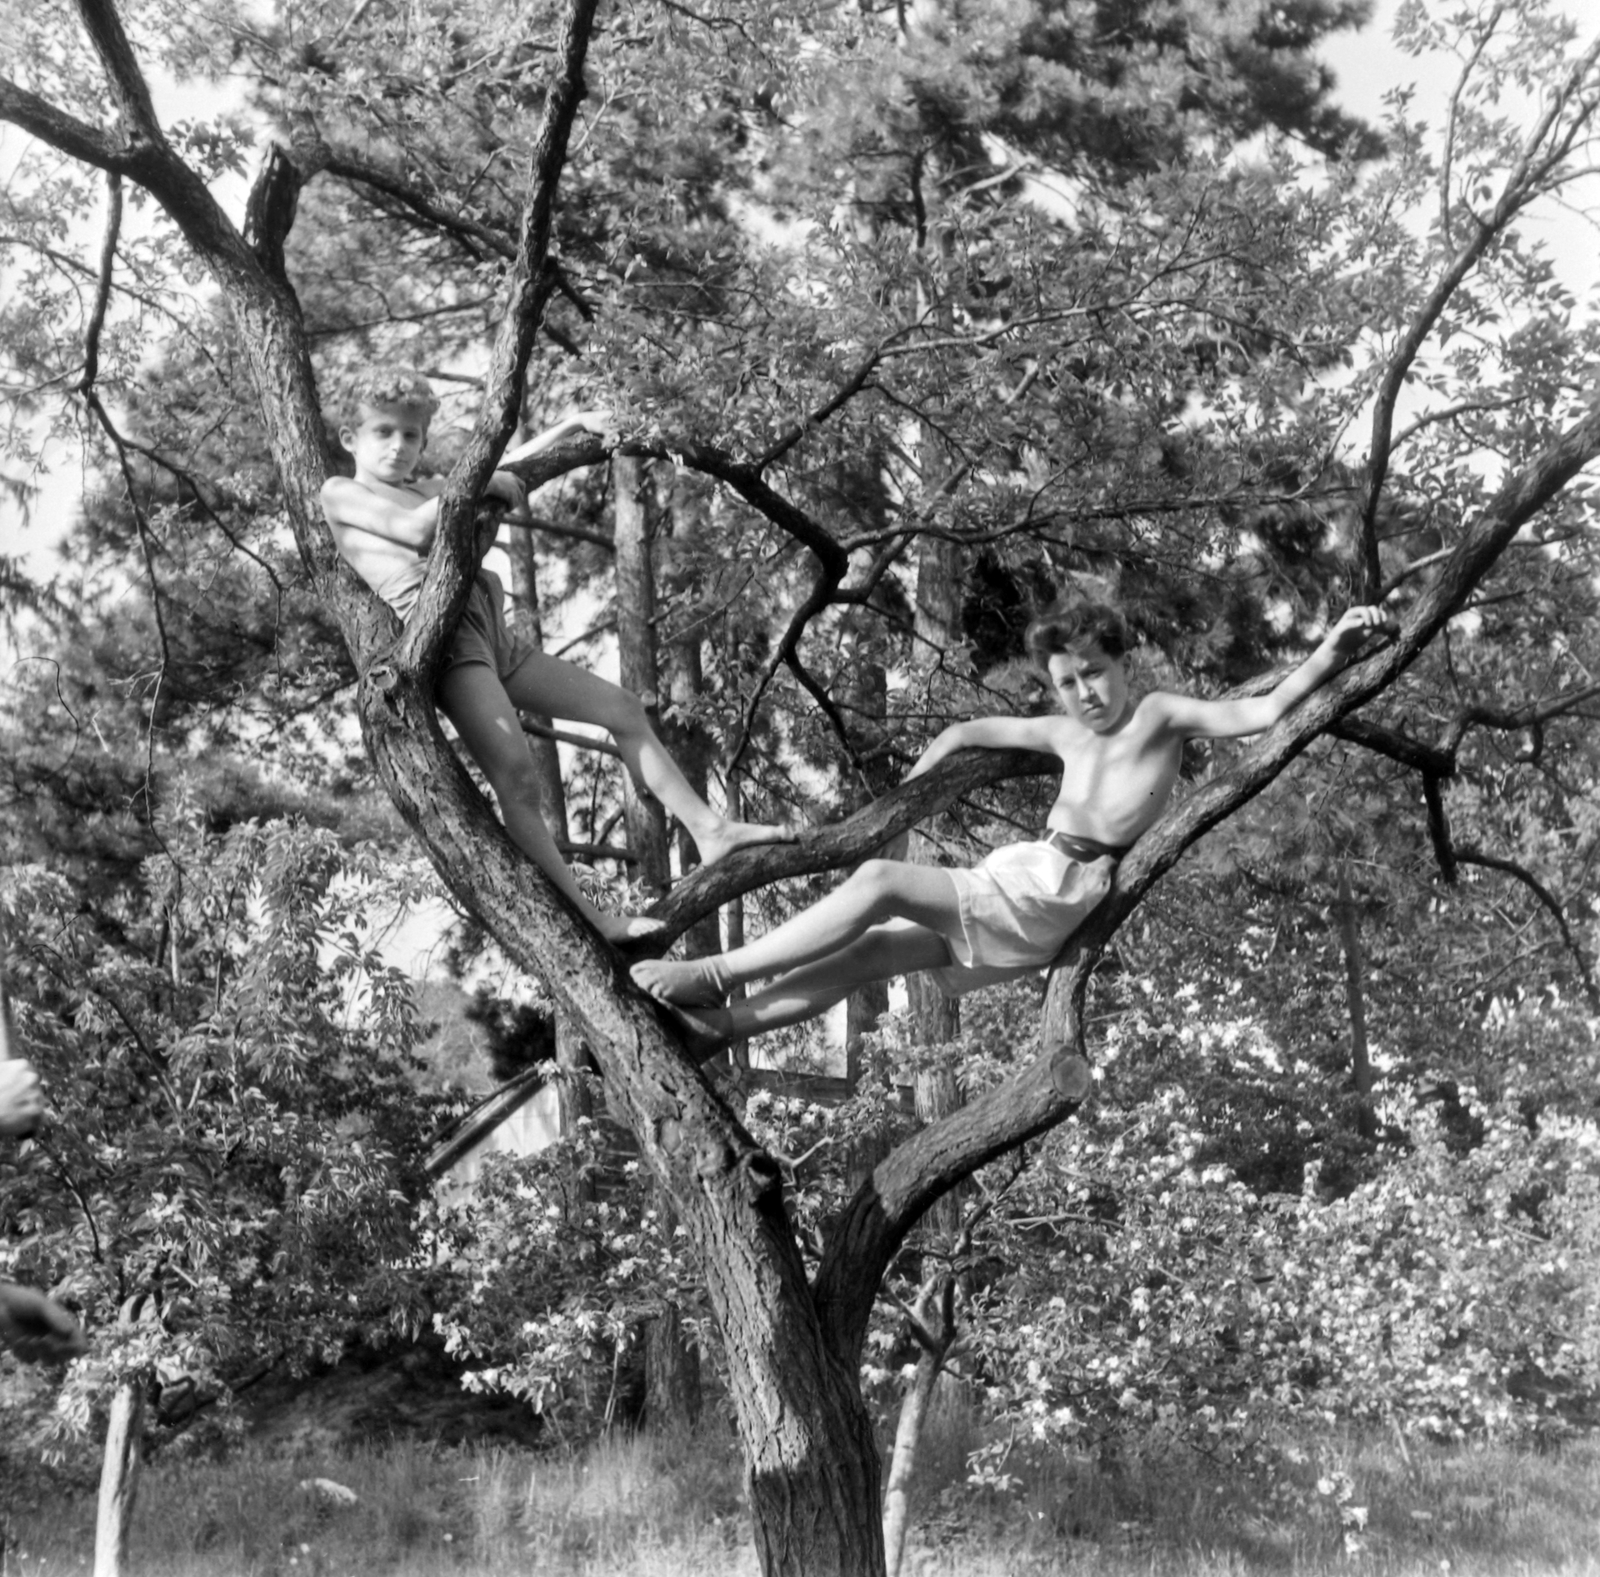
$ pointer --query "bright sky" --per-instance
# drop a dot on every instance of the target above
(1369, 65)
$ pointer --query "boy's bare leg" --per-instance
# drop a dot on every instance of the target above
(557, 688)
(897, 947)
(876, 891)
(476, 703)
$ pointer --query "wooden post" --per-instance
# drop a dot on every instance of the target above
(936, 1337)
(119, 1472)
(1356, 1000)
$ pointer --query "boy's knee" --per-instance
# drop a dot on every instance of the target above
(626, 714)
(877, 953)
(517, 782)
(876, 877)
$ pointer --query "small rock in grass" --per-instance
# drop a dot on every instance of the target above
(325, 1489)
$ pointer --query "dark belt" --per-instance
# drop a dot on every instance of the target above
(1079, 848)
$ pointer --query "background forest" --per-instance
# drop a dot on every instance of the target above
(909, 318)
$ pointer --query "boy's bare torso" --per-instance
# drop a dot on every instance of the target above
(376, 559)
(1116, 784)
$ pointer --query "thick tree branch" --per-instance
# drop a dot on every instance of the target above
(1435, 760)
(132, 93)
(77, 139)
(1437, 764)
(705, 890)
(102, 289)
(1439, 826)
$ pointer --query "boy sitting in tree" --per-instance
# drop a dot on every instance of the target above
(1014, 912)
(383, 521)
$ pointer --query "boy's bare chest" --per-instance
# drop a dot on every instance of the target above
(1123, 776)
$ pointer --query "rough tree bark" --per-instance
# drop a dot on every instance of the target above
(691, 745)
(636, 650)
(1348, 914)
(546, 754)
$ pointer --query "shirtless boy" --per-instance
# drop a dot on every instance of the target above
(1013, 913)
(384, 522)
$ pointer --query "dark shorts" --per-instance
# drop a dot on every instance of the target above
(482, 635)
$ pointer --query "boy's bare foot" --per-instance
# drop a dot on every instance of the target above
(731, 836)
(620, 929)
(689, 983)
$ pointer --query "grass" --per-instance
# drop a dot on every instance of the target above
(638, 1506)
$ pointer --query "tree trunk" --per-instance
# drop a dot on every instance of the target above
(935, 1021)
(1355, 993)
(937, 1339)
(672, 1365)
(636, 646)
(690, 743)
(863, 688)
(671, 1374)
(813, 1474)
(119, 1469)
(546, 754)
(733, 922)
(864, 698)
(572, 1055)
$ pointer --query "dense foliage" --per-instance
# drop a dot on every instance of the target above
(238, 1132)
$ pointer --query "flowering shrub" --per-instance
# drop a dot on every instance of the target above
(1452, 1290)
(552, 1266)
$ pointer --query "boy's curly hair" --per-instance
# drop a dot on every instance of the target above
(383, 385)
(1073, 622)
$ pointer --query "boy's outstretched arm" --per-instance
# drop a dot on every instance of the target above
(987, 733)
(510, 489)
(978, 733)
(598, 422)
(1196, 718)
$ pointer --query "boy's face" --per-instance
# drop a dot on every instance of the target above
(387, 441)
(1092, 686)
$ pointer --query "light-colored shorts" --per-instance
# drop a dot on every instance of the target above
(1017, 910)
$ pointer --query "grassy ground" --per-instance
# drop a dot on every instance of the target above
(636, 1507)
